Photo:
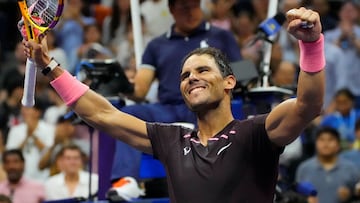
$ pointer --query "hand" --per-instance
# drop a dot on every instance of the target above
(37, 51)
(296, 16)
(343, 193)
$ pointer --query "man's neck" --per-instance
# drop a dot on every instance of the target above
(212, 122)
(72, 177)
(328, 162)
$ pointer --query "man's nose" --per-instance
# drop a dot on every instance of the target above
(193, 76)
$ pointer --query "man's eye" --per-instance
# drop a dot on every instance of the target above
(184, 76)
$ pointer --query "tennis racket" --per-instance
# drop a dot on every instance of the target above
(39, 16)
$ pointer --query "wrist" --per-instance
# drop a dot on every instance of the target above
(312, 56)
(50, 66)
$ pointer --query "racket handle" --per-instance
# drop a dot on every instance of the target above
(29, 84)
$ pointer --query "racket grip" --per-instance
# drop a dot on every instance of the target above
(29, 84)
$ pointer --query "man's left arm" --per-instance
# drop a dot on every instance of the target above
(286, 121)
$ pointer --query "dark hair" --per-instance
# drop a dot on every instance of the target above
(220, 59)
(171, 2)
(10, 152)
(16, 81)
(329, 130)
(115, 19)
(243, 8)
(70, 146)
(346, 92)
(5, 199)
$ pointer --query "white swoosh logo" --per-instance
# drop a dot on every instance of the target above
(223, 148)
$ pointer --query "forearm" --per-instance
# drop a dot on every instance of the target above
(45, 159)
(38, 143)
(310, 94)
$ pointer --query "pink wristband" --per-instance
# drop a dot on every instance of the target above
(312, 57)
(69, 88)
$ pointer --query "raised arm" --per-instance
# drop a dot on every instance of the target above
(90, 106)
(286, 121)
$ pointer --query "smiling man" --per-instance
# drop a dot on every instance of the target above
(224, 160)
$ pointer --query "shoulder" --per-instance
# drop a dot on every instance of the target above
(308, 164)
(347, 164)
(34, 184)
(55, 179)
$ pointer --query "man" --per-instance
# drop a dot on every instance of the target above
(224, 160)
(161, 60)
(65, 134)
(72, 181)
(32, 136)
(334, 178)
(17, 187)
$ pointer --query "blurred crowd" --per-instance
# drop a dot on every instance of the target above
(45, 144)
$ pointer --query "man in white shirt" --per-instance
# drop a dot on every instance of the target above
(73, 181)
(32, 137)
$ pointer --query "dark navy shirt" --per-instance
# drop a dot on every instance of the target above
(165, 53)
(239, 164)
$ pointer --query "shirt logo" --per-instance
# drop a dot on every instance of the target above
(186, 150)
(223, 148)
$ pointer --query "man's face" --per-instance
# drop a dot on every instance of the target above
(202, 84)
(343, 104)
(14, 167)
(327, 145)
(187, 15)
(71, 161)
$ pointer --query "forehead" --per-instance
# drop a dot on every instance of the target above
(196, 61)
(187, 2)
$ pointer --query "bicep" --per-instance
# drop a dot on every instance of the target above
(284, 123)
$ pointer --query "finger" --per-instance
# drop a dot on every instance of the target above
(295, 24)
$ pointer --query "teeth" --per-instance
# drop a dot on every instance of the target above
(196, 89)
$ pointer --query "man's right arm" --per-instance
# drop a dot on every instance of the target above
(93, 108)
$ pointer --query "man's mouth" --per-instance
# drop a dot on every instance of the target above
(196, 89)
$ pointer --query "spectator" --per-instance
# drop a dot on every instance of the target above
(14, 68)
(334, 178)
(220, 13)
(17, 187)
(10, 108)
(343, 118)
(126, 49)
(243, 26)
(32, 137)
(64, 135)
(328, 21)
(114, 26)
(73, 181)
(347, 36)
(70, 30)
(92, 38)
(353, 154)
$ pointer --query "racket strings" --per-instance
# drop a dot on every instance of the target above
(43, 12)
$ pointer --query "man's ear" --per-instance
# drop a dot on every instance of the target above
(229, 82)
